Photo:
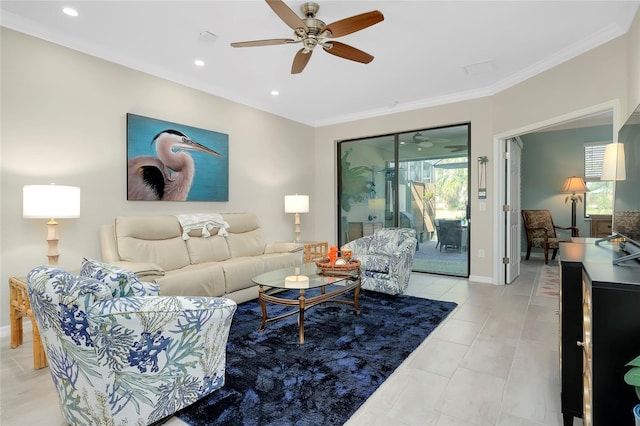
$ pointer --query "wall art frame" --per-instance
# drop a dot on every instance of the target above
(174, 162)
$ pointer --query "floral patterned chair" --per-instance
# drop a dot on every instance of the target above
(121, 354)
(386, 258)
(541, 232)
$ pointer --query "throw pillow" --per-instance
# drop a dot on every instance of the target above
(78, 290)
(123, 283)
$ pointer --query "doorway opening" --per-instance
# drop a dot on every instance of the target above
(507, 202)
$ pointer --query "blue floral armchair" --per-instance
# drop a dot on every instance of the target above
(386, 258)
(121, 354)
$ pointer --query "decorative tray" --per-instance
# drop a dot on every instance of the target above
(328, 268)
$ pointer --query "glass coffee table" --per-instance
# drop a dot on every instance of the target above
(272, 283)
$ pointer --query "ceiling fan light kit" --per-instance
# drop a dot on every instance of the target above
(311, 32)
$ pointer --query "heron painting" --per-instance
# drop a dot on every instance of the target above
(173, 162)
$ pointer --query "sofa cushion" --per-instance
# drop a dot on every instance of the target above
(211, 249)
(238, 272)
(194, 280)
(385, 241)
(249, 243)
(241, 222)
(156, 239)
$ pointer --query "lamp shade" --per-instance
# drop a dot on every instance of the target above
(296, 203)
(50, 201)
(574, 185)
(613, 167)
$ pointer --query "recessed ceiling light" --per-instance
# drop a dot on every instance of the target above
(70, 11)
(275, 92)
(199, 62)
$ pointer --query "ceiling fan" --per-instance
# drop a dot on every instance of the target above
(311, 31)
(456, 148)
(426, 141)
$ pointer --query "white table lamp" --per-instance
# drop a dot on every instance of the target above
(613, 165)
(296, 204)
(51, 202)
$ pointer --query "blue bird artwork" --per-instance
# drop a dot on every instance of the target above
(171, 162)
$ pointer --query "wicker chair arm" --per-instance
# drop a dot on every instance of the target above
(569, 228)
(565, 227)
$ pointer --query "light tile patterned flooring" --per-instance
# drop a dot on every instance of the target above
(493, 361)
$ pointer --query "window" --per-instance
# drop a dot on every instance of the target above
(599, 199)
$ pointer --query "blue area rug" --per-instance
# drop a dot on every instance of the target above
(272, 380)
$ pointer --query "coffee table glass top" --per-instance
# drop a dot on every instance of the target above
(278, 277)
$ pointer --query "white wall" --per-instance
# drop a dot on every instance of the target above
(64, 121)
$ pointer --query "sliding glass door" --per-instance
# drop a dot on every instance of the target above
(416, 180)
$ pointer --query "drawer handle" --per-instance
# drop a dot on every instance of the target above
(579, 343)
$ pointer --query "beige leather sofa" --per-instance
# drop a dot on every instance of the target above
(153, 247)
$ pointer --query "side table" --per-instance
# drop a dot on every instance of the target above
(19, 307)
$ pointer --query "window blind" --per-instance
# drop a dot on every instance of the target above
(593, 158)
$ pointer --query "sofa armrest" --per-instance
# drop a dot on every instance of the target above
(359, 246)
(108, 244)
(172, 306)
(283, 247)
(141, 269)
(154, 344)
(162, 317)
(408, 246)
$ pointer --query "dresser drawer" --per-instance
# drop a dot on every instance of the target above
(600, 226)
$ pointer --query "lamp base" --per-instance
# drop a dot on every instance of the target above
(297, 227)
(574, 232)
(52, 242)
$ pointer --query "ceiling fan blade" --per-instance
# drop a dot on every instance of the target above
(287, 15)
(354, 23)
(348, 52)
(267, 42)
(300, 61)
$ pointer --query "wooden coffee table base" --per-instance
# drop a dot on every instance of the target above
(302, 303)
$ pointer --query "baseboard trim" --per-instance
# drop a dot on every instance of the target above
(482, 279)
(5, 331)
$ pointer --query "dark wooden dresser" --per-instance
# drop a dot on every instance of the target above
(599, 333)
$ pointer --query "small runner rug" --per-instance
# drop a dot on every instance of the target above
(548, 281)
(272, 380)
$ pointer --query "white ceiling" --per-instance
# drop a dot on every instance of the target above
(420, 49)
